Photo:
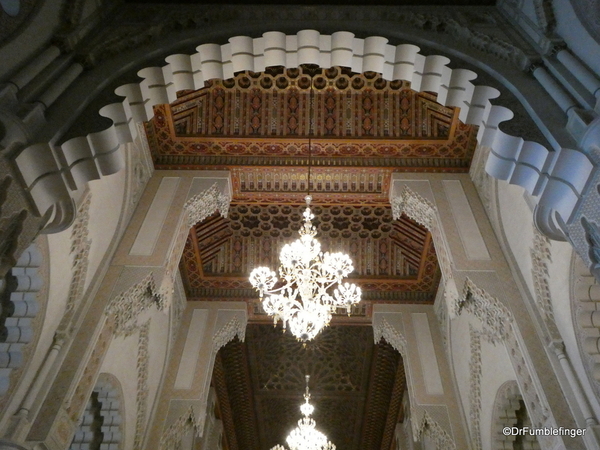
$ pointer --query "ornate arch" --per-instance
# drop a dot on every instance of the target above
(510, 411)
(102, 422)
(425, 419)
(100, 154)
(498, 327)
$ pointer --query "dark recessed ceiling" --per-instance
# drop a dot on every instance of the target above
(356, 387)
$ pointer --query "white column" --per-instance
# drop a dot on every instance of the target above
(582, 401)
(31, 70)
(22, 416)
(579, 71)
(60, 85)
(42, 375)
(556, 91)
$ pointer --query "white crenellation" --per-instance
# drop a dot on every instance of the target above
(212, 61)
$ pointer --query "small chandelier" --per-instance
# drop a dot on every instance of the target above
(305, 436)
(303, 303)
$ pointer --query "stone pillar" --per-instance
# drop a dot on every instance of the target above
(593, 429)
(22, 420)
(206, 327)
(478, 282)
(140, 276)
(434, 409)
(28, 73)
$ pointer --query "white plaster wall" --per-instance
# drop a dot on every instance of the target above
(496, 369)
(106, 207)
(577, 38)
(517, 223)
(460, 345)
(158, 351)
(516, 220)
(121, 361)
(559, 275)
(104, 213)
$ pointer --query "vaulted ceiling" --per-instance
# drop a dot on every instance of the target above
(341, 136)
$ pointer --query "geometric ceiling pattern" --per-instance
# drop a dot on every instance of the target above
(393, 260)
(356, 387)
(353, 120)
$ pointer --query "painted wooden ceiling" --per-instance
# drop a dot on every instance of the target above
(341, 136)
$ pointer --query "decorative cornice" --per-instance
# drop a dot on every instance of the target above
(126, 307)
(172, 436)
(391, 335)
(540, 257)
(205, 204)
(428, 426)
(414, 206)
(495, 318)
(228, 332)
(424, 212)
(80, 249)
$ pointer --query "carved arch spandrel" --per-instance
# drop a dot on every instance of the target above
(498, 327)
(221, 326)
(425, 419)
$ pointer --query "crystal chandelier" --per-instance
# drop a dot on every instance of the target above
(305, 436)
(303, 303)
